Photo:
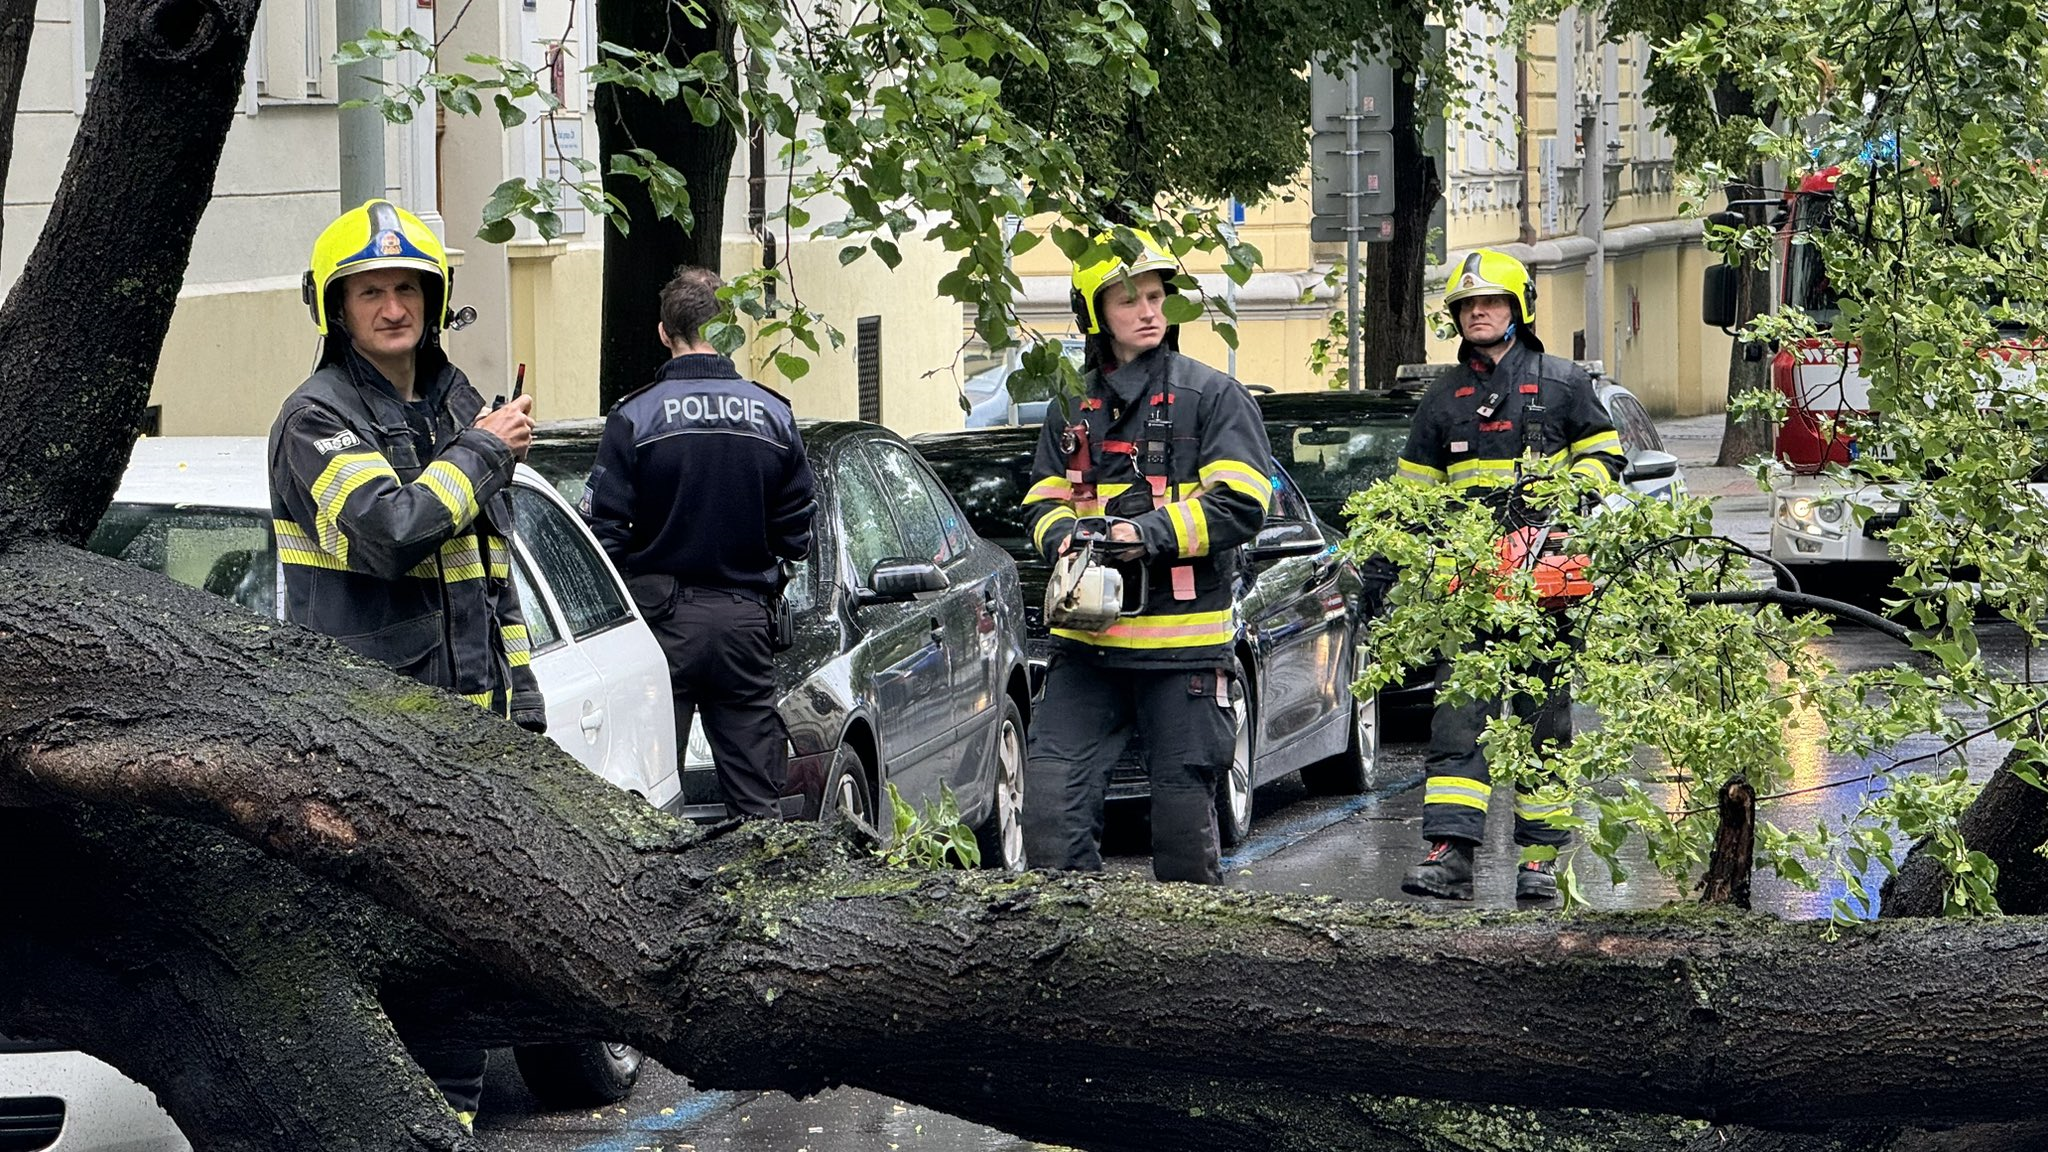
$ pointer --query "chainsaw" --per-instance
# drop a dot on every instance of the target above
(1086, 592)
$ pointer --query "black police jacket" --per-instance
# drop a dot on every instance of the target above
(392, 527)
(702, 476)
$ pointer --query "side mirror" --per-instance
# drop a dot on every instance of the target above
(897, 579)
(1718, 295)
(1649, 464)
(1286, 539)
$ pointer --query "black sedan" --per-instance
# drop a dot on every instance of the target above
(909, 663)
(1298, 632)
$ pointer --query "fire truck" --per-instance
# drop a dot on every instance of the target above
(1814, 529)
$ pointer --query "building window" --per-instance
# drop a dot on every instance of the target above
(867, 367)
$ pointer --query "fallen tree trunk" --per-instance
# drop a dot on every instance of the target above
(1103, 1013)
(2008, 822)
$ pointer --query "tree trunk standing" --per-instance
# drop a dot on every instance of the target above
(82, 327)
(1392, 325)
(637, 265)
(17, 22)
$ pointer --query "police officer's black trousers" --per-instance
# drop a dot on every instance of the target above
(1078, 732)
(720, 664)
(1457, 783)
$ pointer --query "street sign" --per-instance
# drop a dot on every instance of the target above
(1330, 175)
(1328, 99)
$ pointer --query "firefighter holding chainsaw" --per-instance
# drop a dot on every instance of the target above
(1505, 401)
(1143, 488)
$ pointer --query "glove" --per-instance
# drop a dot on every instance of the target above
(530, 711)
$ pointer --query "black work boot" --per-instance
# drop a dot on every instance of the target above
(1536, 880)
(1446, 872)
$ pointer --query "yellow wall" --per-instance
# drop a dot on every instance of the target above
(233, 353)
(557, 293)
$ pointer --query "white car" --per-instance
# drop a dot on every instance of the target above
(197, 509)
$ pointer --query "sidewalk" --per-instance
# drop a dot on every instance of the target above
(1696, 441)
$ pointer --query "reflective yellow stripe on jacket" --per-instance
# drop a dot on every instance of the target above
(1190, 527)
(295, 547)
(1240, 476)
(1414, 473)
(344, 474)
(518, 650)
(1191, 630)
(451, 486)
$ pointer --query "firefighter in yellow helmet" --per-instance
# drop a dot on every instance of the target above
(1174, 453)
(1505, 398)
(389, 497)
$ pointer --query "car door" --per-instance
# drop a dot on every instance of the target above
(629, 712)
(1298, 613)
(934, 528)
(901, 659)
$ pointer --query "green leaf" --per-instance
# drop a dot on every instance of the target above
(791, 365)
(497, 231)
(1181, 310)
(510, 115)
(887, 252)
(939, 21)
(850, 253)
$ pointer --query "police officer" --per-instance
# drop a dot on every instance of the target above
(1504, 399)
(700, 492)
(388, 494)
(1174, 451)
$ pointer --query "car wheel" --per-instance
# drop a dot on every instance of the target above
(582, 1075)
(847, 795)
(1234, 791)
(1002, 834)
(1355, 769)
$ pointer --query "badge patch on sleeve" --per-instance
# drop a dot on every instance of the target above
(336, 442)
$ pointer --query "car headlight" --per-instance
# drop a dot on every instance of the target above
(1829, 512)
(1800, 510)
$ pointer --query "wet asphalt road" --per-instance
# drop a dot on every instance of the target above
(1354, 848)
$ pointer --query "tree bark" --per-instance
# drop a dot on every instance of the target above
(2008, 821)
(636, 266)
(1745, 438)
(82, 327)
(1101, 1013)
(1391, 314)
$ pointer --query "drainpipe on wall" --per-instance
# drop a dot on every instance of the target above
(1525, 230)
(361, 129)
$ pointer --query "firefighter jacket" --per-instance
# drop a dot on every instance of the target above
(392, 524)
(702, 476)
(1474, 423)
(1178, 448)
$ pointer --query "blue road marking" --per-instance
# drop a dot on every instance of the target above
(685, 1111)
(1288, 833)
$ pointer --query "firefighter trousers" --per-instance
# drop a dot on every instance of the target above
(1457, 783)
(1078, 733)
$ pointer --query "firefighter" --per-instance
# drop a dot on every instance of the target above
(1505, 398)
(700, 492)
(1175, 451)
(389, 497)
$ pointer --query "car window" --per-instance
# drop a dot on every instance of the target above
(1329, 460)
(1288, 502)
(580, 578)
(541, 631)
(989, 486)
(919, 514)
(226, 552)
(959, 537)
(1637, 430)
(864, 518)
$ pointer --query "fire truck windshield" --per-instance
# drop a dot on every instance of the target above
(1806, 279)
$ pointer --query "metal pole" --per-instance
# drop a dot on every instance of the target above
(1230, 301)
(361, 129)
(1352, 192)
